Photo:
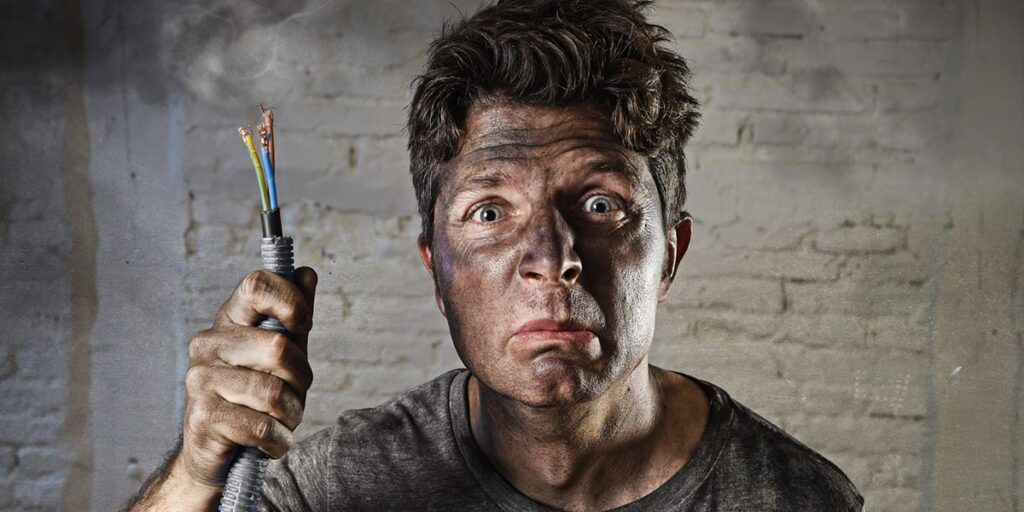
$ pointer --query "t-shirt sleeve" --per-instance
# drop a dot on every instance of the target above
(300, 481)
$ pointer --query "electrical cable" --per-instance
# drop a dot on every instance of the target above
(244, 485)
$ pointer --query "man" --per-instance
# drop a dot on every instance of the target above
(547, 155)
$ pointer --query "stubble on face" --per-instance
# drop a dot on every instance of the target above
(517, 238)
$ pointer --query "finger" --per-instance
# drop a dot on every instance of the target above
(258, 391)
(261, 294)
(257, 349)
(214, 423)
(306, 279)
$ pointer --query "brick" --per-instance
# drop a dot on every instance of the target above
(776, 399)
(922, 21)
(864, 299)
(755, 234)
(854, 22)
(909, 94)
(859, 240)
(803, 266)
(36, 461)
(817, 90)
(862, 435)
(732, 325)
(387, 193)
(826, 399)
(43, 492)
(406, 278)
(892, 499)
(33, 391)
(725, 54)
(671, 326)
(858, 469)
(911, 130)
(824, 330)
(898, 333)
(894, 470)
(821, 366)
(761, 20)
(719, 130)
(892, 391)
(890, 58)
(742, 369)
(753, 295)
(418, 313)
(348, 117)
(221, 210)
(684, 21)
(902, 267)
(778, 130)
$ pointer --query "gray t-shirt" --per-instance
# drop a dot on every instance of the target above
(416, 452)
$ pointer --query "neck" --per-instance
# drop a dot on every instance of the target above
(577, 453)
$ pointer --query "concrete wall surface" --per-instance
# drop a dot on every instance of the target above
(856, 273)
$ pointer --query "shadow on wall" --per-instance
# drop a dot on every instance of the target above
(230, 54)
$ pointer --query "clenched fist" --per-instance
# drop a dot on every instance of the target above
(245, 386)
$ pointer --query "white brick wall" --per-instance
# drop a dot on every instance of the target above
(820, 184)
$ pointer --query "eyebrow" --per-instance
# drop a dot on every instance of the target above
(496, 178)
(492, 178)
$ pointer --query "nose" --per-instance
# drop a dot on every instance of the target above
(549, 256)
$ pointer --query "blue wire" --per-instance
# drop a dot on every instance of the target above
(268, 169)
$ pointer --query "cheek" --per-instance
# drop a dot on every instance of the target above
(472, 280)
(626, 274)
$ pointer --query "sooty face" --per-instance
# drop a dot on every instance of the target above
(549, 252)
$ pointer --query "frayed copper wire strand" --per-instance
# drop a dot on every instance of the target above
(268, 121)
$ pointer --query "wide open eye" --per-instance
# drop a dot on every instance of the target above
(599, 203)
(488, 213)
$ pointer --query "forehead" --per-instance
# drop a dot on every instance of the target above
(525, 135)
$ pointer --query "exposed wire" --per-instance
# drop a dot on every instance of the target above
(268, 166)
(264, 191)
(268, 121)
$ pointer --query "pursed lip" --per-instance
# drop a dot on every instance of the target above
(551, 329)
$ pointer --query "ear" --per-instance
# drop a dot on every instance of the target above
(677, 241)
(427, 256)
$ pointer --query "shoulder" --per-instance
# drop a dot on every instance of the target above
(762, 456)
(368, 453)
(414, 416)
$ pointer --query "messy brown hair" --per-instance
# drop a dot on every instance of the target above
(556, 52)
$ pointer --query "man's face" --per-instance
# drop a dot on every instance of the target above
(549, 252)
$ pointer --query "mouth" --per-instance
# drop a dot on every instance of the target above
(547, 334)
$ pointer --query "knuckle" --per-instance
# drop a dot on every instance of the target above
(195, 379)
(298, 412)
(253, 284)
(200, 417)
(282, 444)
(295, 315)
(273, 389)
(263, 428)
(305, 375)
(277, 348)
(199, 343)
(291, 410)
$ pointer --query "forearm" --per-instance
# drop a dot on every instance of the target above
(171, 488)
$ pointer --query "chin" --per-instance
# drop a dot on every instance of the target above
(556, 381)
